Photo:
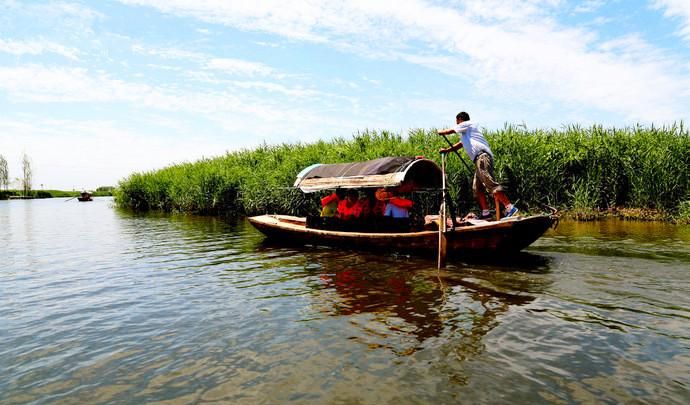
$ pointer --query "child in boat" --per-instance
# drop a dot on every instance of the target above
(350, 207)
(330, 203)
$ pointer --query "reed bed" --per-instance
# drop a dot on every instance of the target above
(573, 168)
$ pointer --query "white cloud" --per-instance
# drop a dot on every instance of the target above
(53, 9)
(589, 6)
(502, 44)
(677, 9)
(510, 10)
(226, 65)
(57, 84)
(296, 91)
(64, 18)
(48, 84)
(165, 67)
(374, 82)
(272, 16)
(237, 66)
(37, 47)
(268, 44)
(70, 9)
(240, 113)
(169, 53)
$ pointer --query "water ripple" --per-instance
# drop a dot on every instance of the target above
(100, 306)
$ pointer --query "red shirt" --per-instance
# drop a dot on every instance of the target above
(349, 209)
(401, 202)
(329, 199)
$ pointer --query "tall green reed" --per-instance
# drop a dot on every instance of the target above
(572, 167)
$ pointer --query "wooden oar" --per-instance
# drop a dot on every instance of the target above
(456, 152)
(71, 198)
(451, 206)
(442, 243)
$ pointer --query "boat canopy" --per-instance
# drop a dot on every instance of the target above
(383, 172)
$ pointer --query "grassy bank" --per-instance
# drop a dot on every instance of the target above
(578, 169)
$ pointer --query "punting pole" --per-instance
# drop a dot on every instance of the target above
(457, 153)
(442, 243)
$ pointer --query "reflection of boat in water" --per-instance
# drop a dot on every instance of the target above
(391, 304)
(508, 235)
(85, 196)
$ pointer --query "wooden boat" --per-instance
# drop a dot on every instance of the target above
(472, 237)
(468, 237)
(85, 196)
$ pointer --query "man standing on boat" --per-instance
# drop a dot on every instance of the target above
(477, 148)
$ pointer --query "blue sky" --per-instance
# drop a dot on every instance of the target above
(92, 91)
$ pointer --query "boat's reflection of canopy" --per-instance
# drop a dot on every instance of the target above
(382, 172)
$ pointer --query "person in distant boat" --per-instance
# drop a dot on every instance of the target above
(330, 203)
(477, 148)
(350, 207)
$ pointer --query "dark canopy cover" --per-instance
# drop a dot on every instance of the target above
(382, 172)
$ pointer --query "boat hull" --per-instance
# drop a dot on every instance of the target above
(482, 238)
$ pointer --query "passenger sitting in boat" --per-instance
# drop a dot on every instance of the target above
(371, 205)
(350, 207)
(330, 203)
(395, 206)
(381, 197)
(398, 207)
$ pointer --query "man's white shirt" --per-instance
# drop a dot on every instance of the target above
(472, 139)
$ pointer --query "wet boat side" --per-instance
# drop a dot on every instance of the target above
(506, 236)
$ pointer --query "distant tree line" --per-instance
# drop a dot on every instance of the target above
(25, 181)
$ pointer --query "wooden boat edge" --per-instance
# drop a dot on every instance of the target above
(505, 236)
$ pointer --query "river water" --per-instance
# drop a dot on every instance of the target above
(99, 305)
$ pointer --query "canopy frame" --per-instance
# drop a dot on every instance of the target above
(383, 172)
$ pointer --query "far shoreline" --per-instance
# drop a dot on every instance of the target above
(42, 194)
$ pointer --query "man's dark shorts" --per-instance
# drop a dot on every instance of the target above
(484, 175)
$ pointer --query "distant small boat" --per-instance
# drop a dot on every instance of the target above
(85, 196)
